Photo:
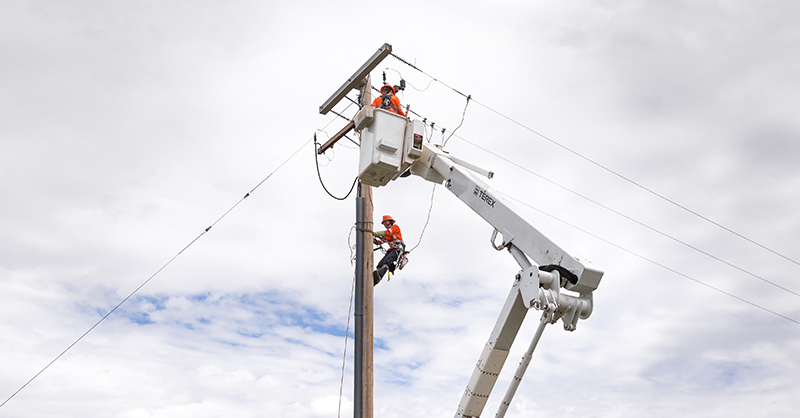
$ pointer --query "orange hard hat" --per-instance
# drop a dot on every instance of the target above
(389, 87)
(387, 218)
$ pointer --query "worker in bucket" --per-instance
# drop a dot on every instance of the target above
(388, 101)
(394, 238)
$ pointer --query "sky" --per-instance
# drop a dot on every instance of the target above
(659, 140)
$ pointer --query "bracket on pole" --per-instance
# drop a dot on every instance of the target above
(356, 79)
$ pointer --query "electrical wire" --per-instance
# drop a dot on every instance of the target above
(153, 275)
(463, 114)
(598, 204)
(623, 248)
(409, 83)
(423, 72)
(346, 334)
(430, 209)
(319, 175)
(341, 115)
(655, 262)
(345, 118)
(632, 220)
(424, 120)
(603, 167)
(642, 224)
(337, 114)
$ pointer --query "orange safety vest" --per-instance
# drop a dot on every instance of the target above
(393, 234)
(390, 103)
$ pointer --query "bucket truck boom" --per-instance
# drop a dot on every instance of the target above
(538, 285)
(547, 270)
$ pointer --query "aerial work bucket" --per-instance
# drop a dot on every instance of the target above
(389, 145)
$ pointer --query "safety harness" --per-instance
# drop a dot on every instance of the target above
(401, 259)
(386, 103)
(402, 254)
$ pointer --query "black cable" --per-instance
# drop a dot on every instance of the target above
(352, 101)
(154, 275)
(319, 175)
(606, 168)
(340, 115)
(353, 141)
(331, 121)
(345, 118)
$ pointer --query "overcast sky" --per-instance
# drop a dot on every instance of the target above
(127, 128)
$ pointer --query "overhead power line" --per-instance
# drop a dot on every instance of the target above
(664, 234)
(603, 167)
(642, 224)
(154, 274)
(344, 355)
(617, 212)
(319, 175)
(657, 263)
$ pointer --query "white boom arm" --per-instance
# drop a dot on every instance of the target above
(538, 285)
(390, 145)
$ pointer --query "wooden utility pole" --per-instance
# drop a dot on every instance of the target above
(369, 266)
(365, 263)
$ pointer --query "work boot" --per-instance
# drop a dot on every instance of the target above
(376, 278)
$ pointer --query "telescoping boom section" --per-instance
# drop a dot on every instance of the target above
(551, 280)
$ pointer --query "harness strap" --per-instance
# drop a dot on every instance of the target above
(386, 102)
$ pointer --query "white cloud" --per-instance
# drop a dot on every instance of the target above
(129, 129)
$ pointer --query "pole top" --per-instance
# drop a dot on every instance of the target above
(356, 79)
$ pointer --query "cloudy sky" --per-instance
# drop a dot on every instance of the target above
(657, 139)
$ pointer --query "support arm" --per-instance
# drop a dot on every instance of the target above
(435, 165)
(538, 285)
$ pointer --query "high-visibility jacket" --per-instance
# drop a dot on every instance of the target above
(388, 102)
(392, 236)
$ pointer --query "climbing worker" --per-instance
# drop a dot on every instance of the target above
(394, 238)
(388, 101)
